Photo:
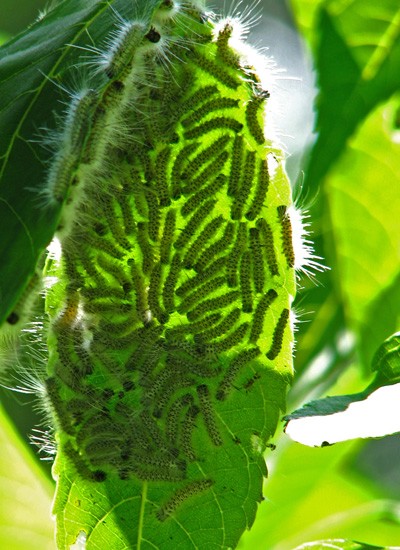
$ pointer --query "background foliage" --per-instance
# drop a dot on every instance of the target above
(351, 180)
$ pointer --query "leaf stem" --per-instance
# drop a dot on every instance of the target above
(141, 515)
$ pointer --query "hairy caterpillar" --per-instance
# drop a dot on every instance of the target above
(277, 337)
(261, 191)
(179, 497)
(203, 238)
(214, 250)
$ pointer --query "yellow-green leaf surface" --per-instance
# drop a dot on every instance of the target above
(364, 202)
(312, 495)
(26, 496)
(358, 58)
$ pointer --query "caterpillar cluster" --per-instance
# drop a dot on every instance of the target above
(176, 272)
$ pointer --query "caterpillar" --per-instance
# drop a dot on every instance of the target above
(231, 340)
(167, 391)
(235, 254)
(146, 247)
(245, 282)
(161, 176)
(259, 315)
(216, 123)
(200, 242)
(201, 276)
(215, 70)
(207, 173)
(153, 214)
(214, 250)
(170, 283)
(81, 467)
(173, 415)
(199, 96)
(178, 167)
(277, 338)
(227, 55)
(113, 222)
(163, 303)
(123, 198)
(208, 414)
(154, 291)
(116, 62)
(181, 495)
(197, 198)
(213, 303)
(78, 119)
(200, 293)
(286, 234)
(209, 107)
(236, 165)
(238, 363)
(244, 190)
(167, 236)
(222, 328)
(252, 122)
(186, 432)
(141, 301)
(192, 328)
(268, 244)
(256, 260)
(210, 152)
(192, 225)
(261, 192)
(57, 406)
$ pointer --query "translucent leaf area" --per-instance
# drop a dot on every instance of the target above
(364, 200)
(26, 495)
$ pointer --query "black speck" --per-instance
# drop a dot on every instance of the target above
(153, 35)
(13, 318)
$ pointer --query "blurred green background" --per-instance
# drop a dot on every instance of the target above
(16, 16)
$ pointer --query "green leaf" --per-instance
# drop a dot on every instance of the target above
(338, 544)
(359, 66)
(386, 360)
(312, 494)
(363, 205)
(25, 522)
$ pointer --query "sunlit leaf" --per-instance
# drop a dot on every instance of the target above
(358, 59)
(26, 495)
(363, 200)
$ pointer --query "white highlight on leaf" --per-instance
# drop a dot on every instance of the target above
(376, 416)
(80, 543)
